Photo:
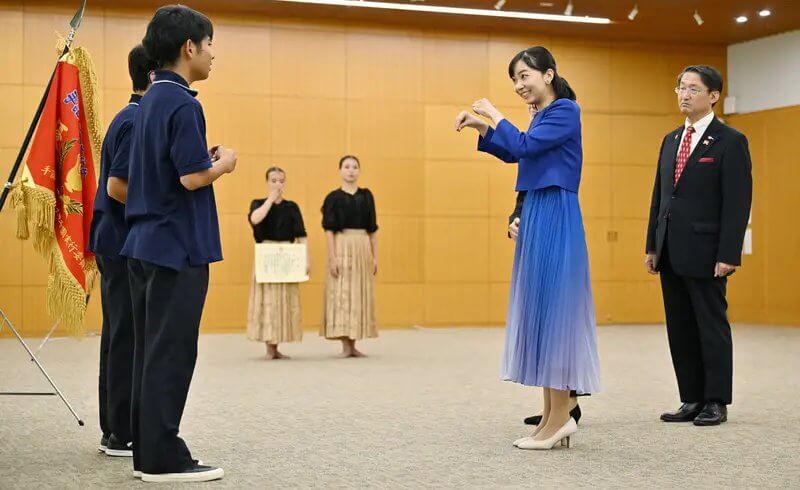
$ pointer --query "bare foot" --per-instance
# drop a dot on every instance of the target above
(273, 353)
(345, 354)
(357, 353)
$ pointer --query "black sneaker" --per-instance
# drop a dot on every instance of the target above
(103, 443)
(138, 473)
(194, 474)
(118, 448)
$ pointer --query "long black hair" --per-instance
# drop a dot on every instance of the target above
(541, 60)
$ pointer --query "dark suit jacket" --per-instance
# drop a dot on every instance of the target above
(706, 213)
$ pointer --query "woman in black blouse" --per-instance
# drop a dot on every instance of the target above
(274, 311)
(348, 217)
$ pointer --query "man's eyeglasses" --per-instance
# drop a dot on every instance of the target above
(692, 91)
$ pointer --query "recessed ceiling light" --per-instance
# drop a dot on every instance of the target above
(741, 19)
(546, 4)
(568, 10)
(634, 12)
(697, 18)
(499, 4)
(765, 13)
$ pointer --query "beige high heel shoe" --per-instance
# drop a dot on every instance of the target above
(563, 435)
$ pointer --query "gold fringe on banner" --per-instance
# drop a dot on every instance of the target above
(66, 299)
(80, 57)
(35, 208)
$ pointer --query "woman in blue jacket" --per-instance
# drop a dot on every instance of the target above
(550, 329)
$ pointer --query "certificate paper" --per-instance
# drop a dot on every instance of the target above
(280, 262)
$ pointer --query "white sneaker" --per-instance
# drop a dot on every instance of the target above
(196, 474)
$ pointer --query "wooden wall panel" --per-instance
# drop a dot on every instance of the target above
(299, 94)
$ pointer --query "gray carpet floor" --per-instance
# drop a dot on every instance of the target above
(425, 410)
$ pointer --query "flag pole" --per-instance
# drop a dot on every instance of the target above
(74, 24)
(6, 322)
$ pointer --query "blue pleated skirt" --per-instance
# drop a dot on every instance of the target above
(550, 329)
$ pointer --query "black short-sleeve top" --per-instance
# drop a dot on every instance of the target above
(342, 210)
(284, 222)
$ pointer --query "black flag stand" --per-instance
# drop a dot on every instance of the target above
(4, 321)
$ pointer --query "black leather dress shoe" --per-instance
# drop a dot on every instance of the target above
(713, 414)
(687, 413)
(575, 413)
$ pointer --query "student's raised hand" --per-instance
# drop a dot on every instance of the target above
(532, 110)
(275, 194)
(227, 157)
(213, 153)
(467, 120)
(483, 107)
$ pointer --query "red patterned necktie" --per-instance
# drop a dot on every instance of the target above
(683, 154)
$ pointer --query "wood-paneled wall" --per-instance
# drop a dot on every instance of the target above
(299, 95)
(765, 291)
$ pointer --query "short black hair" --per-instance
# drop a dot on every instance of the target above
(170, 28)
(710, 76)
(139, 67)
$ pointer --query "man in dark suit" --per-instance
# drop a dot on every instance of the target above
(698, 217)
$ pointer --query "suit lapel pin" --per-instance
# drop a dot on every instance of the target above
(706, 142)
(676, 137)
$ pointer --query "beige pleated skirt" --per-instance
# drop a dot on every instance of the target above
(350, 298)
(273, 314)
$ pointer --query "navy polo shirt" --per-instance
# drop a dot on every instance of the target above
(109, 230)
(170, 226)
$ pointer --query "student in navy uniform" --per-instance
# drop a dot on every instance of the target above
(174, 235)
(106, 237)
(351, 231)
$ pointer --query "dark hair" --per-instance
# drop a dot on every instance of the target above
(170, 28)
(541, 60)
(341, 160)
(139, 66)
(274, 169)
(710, 76)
